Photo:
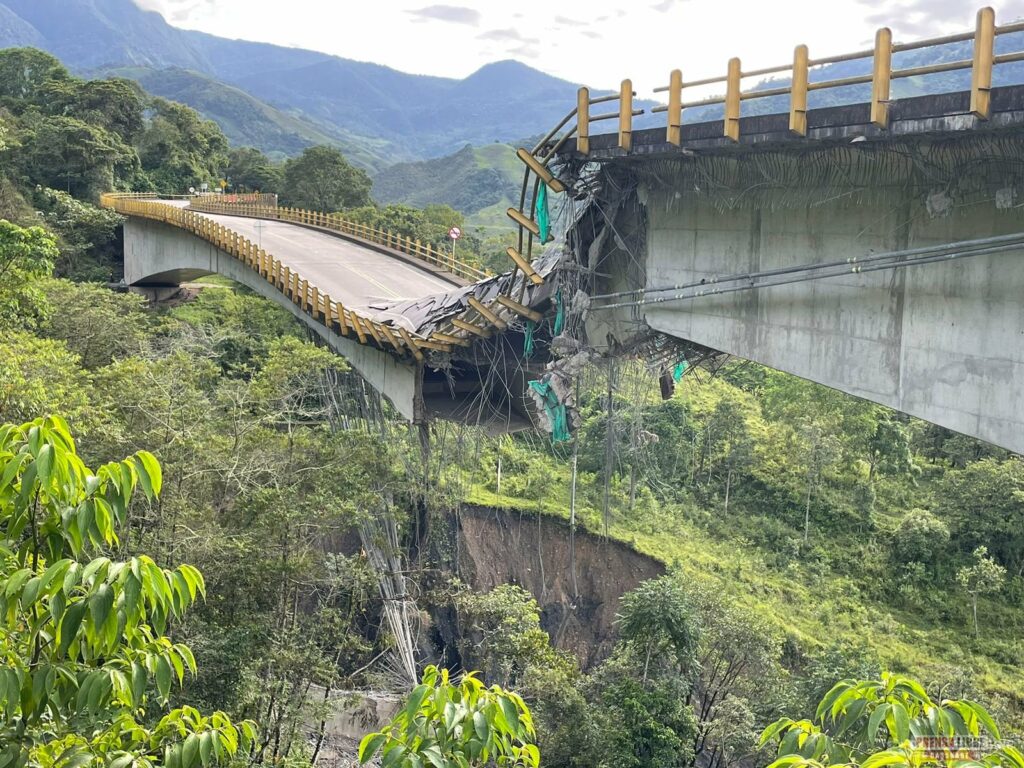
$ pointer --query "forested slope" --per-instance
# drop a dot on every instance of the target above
(807, 535)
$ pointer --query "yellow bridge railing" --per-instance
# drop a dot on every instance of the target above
(338, 223)
(474, 321)
(577, 123)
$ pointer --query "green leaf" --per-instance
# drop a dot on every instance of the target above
(163, 677)
(99, 606)
(70, 624)
(44, 464)
(415, 701)
(901, 723)
(481, 726)
(206, 748)
(985, 718)
(139, 680)
(149, 468)
(394, 756)
(16, 581)
(369, 746)
(889, 757)
(434, 756)
(190, 751)
(876, 720)
(508, 709)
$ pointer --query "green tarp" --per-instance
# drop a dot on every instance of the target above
(559, 312)
(680, 369)
(554, 410)
(528, 339)
(541, 215)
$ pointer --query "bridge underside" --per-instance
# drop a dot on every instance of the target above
(942, 341)
(468, 388)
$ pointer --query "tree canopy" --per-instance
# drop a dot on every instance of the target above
(321, 179)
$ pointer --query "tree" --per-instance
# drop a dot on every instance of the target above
(984, 576)
(736, 662)
(88, 236)
(320, 179)
(889, 447)
(459, 724)
(96, 323)
(658, 620)
(79, 157)
(871, 723)
(500, 634)
(83, 641)
(26, 255)
(43, 375)
(644, 725)
(920, 537)
(178, 149)
(249, 170)
(822, 449)
(24, 72)
(116, 105)
(985, 504)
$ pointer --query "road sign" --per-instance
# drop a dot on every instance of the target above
(454, 233)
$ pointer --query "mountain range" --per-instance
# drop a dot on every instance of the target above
(377, 114)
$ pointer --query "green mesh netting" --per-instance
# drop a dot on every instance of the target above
(541, 215)
(554, 410)
(679, 370)
(559, 312)
(528, 339)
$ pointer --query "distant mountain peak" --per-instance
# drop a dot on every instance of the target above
(392, 113)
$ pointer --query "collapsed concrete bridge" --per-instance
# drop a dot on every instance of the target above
(437, 338)
(875, 247)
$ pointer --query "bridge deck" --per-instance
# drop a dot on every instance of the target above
(359, 276)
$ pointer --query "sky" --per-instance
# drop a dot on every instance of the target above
(594, 42)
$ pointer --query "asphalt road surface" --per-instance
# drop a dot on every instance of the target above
(357, 276)
(354, 275)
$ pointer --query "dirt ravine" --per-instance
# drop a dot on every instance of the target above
(501, 547)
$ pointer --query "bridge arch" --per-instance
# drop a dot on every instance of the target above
(159, 255)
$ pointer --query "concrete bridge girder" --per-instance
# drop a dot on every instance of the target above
(943, 341)
(157, 255)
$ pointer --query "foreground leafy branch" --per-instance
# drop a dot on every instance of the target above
(82, 643)
(890, 722)
(464, 725)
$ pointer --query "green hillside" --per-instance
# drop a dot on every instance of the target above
(249, 122)
(480, 182)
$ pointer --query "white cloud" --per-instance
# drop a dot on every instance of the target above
(596, 42)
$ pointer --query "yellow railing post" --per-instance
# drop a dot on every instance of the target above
(798, 92)
(626, 115)
(583, 121)
(981, 69)
(732, 100)
(674, 135)
(881, 78)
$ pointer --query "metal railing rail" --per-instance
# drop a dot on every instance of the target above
(472, 323)
(338, 223)
(306, 296)
(982, 63)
